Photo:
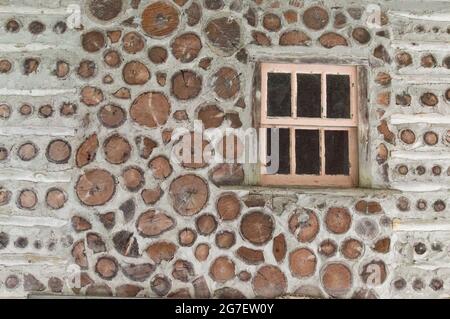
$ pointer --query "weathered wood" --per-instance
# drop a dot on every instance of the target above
(226, 83)
(338, 220)
(161, 251)
(194, 14)
(157, 55)
(117, 149)
(160, 167)
(186, 47)
(58, 151)
(257, 228)
(305, 225)
(315, 18)
(269, 282)
(337, 279)
(95, 187)
(222, 269)
(133, 42)
(352, 248)
(150, 109)
(160, 19)
(133, 178)
(187, 237)
(225, 239)
(152, 223)
(107, 267)
(86, 69)
(135, 73)
(105, 10)
(186, 85)
(93, 41)
(55, 198)
(189, 194)
(87, 151)
(206, 224)
(302, 263)
(224, 35)
(272, 22)
(228, 207)
(112, 58)
(91, 96)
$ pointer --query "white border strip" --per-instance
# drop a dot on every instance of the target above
(17, 174)
(28, 221)
(36, 92)
(31, 10)
(432, 118)
(37, 131)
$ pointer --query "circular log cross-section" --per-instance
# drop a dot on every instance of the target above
(133, 42)
(186, 47)
(158, 55)
(302, 263)
(59, 151)
(206, 224)
(117, 149)
(86, 69)
(112, 58)
(305, 225)
(211, 116)
(133, 178)
(352, 248)
(189, 194)
(106, 267)
(160, 167)
(160, 19)
(91, 96)
(55, 198)
(315, 18)
(226, 83)
(222, 269)
(228, 207)
(150, 109)
(135, 73)
(96, 187)
(224, 35)
(269, 282)
(186, 85)
(27, 152)
(27, 199)
(337, 279)
(105, 10)
(112, 116)
(93, 41)
(338, 220)
(257, 228)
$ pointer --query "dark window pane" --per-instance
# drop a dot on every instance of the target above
(336, 153)
(309, 96)
(307, 152)
(280, 159)
(338, 96)
(279, 94)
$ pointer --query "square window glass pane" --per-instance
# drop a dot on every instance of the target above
(336, 153)
(279, 94)
(309, 95)
(280, 159)
(338, 96)
(307, 149)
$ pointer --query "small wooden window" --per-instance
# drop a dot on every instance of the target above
(314, 108)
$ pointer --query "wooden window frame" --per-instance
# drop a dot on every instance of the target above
(322, 124)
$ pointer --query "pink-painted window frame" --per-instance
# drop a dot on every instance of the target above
(322, 124)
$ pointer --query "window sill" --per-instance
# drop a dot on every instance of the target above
(346, 192)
